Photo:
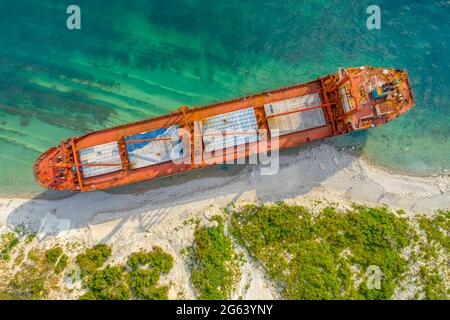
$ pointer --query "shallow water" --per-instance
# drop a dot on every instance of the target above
(138, 59)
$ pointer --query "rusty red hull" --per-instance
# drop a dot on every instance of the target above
(352, 99)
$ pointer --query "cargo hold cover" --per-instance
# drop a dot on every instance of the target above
(298, 121)
(239, 126)
(102, 153)
(143, 154)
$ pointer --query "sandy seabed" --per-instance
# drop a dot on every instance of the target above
(314, 176)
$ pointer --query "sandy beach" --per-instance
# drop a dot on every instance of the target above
(154, 213)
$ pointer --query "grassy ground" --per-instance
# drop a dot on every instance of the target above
(138, 279)
(360, 253)
(38, 272)
(213, 262)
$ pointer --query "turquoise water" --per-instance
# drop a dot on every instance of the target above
(138, 59)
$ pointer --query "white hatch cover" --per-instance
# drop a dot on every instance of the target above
(239, 126)
(298, 121)
(102, 153)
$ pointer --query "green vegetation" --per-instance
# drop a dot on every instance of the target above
(93, 258)
(437, 229)
(107, 284)
(29, 238)
(52, 255)
(40, 271)
(11, 239)
(29, 283)
(56, 258)
(35, 277)
(324, 256)
(156, 259)
(21, 230)
(8, 241)
(213, 262)
(144, 281)
(433, 284)
(62, 264)
(434, 255)
(115, 283)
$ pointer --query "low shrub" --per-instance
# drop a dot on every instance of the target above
(213, 262)
(93, 258)
(316, 257)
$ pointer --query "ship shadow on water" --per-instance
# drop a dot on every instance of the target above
(148, 203)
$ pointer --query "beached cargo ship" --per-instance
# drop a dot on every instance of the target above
(191, 138)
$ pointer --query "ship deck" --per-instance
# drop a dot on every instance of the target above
(314, 124)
